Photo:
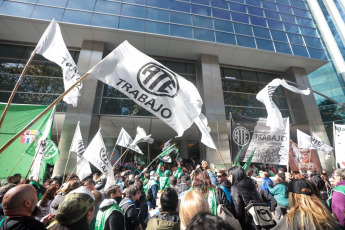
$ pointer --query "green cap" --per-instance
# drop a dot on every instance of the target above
(167, 173)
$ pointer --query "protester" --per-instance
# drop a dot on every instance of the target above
(183, 185)
(142, 205)
(151, 189)
(45, 202)
(223, 190)
(19, 204)
(172, 182)
(306, 210)
(266, 181)
(168, 218)
(243, 190)
(315, 177)
(213, 178)
(110, 215)
(61, 193)
(281, 195)
(128, 207)
(337, 197)
(75, 211)
(39, 188)
(191, 204)
(267, 198)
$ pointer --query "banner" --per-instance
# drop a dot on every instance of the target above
(52, 47)
(339, 144)
(271, 147)
(302, 159)
(18, 116)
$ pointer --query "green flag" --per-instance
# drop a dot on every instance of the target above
(237, 157)
(17, 117)
(165, 155)
(246, 166)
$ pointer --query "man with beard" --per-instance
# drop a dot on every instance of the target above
(19, 204)
(110, 215)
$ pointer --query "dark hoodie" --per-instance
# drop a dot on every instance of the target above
(222, 198)
(241, 194)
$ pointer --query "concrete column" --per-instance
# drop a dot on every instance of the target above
(183, 149)
(304, 112)
(212, 93)
(88, 106)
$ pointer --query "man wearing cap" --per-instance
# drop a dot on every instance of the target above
(18, 205)
(110, 215)
(280, 193)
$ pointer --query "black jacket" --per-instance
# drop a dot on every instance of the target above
(320, 184)
(222, 198)
(268, 199)
(131, 214)
(241, 194)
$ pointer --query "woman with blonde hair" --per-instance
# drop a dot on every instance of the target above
(191, 204)
(307, 211)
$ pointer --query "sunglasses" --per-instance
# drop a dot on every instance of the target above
(219, 176)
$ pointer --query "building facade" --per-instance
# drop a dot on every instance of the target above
(230, 49)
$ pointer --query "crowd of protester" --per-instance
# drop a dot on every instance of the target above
(179, 195)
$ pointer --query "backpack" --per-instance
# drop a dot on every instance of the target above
(261, 214)
(227, 217)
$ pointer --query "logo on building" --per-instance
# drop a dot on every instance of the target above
(158, 80)
(29, 136)
(241, 135)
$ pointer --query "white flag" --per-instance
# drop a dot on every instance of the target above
(339, 144)
(206, 138)
(141, 136)
(274, 117)
(96, 154)
(304, 140)
(166, 145)
(77, 146)
(318, 144)
(170, 97)
(125, 140)
(41, 147)
(52, 47)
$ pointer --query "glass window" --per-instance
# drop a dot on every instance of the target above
(240, 1)
(122, 107)
(249, 75)
(81, 5)
(243, 29)
(181, 31)
(314, 42)
(205, 35)
(61, 3)
(202, 22)
(291, 28)
(266, 77)
(288, 18)
(299, 4)
(231, 73)
(275, 24)
(317, 53)
(269, 5)
(202, 2)
(238, 7)
(279, 36)
(225, 38)
(237, 17)
(180, 6)
(131, 24)
(300, 50)
(305, 22)
(159, 3)
(108, 7)
(16, 9)
(105, 20)
(180, 18)
(245, 41)
(220, 4)
(255, 11)
(47, 13)
(285, 2)
(157, 27)
(254, 2)
(258, 21)
(217, 13)
(261, 32)
(284, 9)
(272, 14)
(282, 47)
(156, 14)
(241, 99)
(78, 17)
(223, 25)
(302, 13)
(133, 11)
(308, 31)
(296, 39)
(202, 10)
(140, 2)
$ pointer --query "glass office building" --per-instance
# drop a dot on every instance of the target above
(230, 49)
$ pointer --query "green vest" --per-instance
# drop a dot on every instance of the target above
(149, 185)
(339, 188)
(102, 216)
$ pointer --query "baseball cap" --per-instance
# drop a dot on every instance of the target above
(300, 186)
(75, 206)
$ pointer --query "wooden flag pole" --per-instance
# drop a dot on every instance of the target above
(16, 87)
(31, 165)
(74, 169)
(222, 159)
(120, 157)
(64, 172)
(41, 114)
(112, 152)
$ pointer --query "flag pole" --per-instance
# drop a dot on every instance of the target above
(112, 152)
(222, 159)
(120, 157)
(41, 114)
(159, 156)
(64, 172)
(32, 164)
(16, 87)
(74, 169)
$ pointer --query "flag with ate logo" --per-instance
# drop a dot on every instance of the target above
(170, 97)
